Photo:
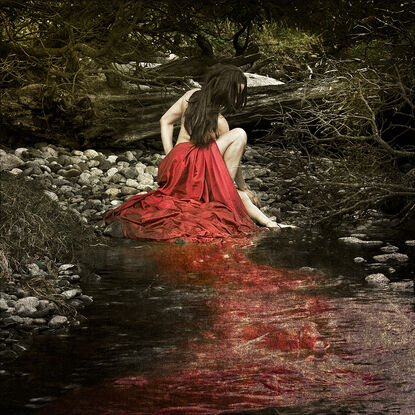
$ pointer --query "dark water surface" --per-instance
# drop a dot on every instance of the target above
(208, 329)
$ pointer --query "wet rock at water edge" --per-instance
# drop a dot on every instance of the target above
(359, 260)
(402, 285)
(410, 243)
(58, 321)
(69, 294)
(352, 240)
(397, 257)
(378, 280)
(389, 249)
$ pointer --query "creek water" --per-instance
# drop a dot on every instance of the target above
(216, 328)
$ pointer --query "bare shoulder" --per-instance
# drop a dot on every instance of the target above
(185, 98)
(223, 126)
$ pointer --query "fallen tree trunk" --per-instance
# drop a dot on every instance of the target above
(109, 120)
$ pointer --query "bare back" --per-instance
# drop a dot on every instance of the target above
(184, 136)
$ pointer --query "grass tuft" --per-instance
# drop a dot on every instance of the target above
(34, 227)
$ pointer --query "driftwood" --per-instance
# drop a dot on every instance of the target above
(109, 120)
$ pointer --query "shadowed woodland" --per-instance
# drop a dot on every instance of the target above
(99, 74)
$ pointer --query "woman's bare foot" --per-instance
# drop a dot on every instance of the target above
(275, 226)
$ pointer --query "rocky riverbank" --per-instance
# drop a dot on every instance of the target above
(89, 183)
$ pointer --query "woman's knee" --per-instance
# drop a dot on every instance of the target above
(240, 136)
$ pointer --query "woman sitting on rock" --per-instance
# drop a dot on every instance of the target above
(197, 199)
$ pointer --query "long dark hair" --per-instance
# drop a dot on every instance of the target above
(221, 93)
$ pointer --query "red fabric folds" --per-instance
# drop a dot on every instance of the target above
(196, 201)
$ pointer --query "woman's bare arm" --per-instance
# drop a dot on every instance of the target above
(171, 115)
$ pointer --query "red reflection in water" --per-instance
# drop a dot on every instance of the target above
(264, 346)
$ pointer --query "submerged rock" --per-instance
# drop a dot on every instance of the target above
(352, 240)
(389, 249)
(402, 285)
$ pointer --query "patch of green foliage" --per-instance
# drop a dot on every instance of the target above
(33, 226)
(375, 52)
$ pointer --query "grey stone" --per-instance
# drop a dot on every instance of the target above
(16, 171)
(112, 158)
(90, 153)
(93, 163)
(13, 320)
(71, 293)
(402, 285)
(21, 152)
(129, 172)
(57, 321)
(84, 178)
(132, 183)
(398, 257)
(70, 173)
(51, 195)
(145, 180)
(123, 164)
(26, 307)
(359, 260)
(389, 249)
(351, 240)
(117, 178)
(126, 190)
(130, 156)
(113, 192)
(9, 162)
(96, 172)
(410, 243)
(377, 279)
(151, 170)
(34, 270)
(3, 305)
(67, 267)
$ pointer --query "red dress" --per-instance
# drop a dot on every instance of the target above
(196, 201)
